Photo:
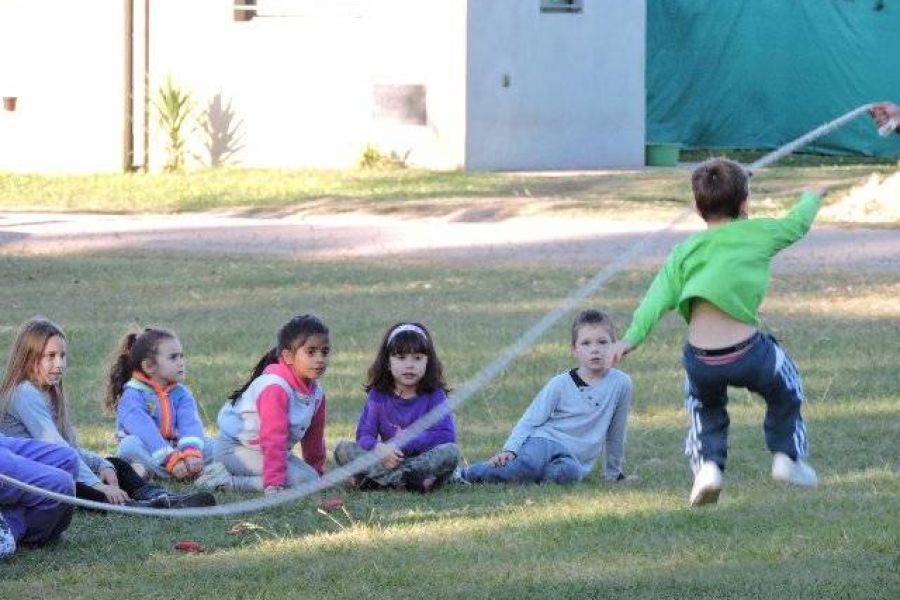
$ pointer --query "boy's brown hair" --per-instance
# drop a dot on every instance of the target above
(592, 317)
(720, 187)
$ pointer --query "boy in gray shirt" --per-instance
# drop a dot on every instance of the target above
(569, 423)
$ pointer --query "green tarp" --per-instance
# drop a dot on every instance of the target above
(759, 73)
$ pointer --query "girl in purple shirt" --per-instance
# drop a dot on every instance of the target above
(405, 382)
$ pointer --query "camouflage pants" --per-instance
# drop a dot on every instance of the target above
(438, 462)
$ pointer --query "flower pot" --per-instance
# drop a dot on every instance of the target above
(662, 155)
(9, 103)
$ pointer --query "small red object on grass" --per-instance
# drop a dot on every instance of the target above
(331, 504)
(189, 547)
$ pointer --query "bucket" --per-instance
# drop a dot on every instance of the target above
(661, 155)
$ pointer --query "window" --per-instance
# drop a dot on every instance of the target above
(402, 104)
(244, 11)
(561, 6)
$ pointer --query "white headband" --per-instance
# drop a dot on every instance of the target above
(407, 327)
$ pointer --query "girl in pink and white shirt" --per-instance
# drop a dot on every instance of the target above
(279, 405)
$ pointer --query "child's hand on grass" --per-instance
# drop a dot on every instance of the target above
(502, 458)
(113, 493)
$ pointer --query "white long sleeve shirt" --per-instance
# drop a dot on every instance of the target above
(584, 419)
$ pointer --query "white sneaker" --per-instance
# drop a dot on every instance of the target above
(7, 541)
(795, 472)
(707, 484)
(214, 476)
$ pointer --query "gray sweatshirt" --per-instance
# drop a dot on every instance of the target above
(29, 416)
(583, 419)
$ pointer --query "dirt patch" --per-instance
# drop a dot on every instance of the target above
(877, 200)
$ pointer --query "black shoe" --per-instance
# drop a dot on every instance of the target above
(150, 496)
(161, 501)
(197, 499)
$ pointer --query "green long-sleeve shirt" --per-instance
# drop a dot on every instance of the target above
(728, 266)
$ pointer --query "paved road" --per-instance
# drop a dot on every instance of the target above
(551, 241)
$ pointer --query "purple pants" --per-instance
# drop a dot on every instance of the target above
(32, 518)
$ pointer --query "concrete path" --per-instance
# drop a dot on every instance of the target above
(547, 241)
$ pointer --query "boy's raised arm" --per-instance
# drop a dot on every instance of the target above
(661, 297)
(797, 222)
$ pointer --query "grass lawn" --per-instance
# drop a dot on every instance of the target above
(271, 192)
(589, 541)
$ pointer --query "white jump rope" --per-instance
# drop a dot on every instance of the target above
(466, 391)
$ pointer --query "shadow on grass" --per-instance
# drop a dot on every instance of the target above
(761, 542)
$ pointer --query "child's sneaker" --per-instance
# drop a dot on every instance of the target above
(7, 541)
(214, 476)
(795, 472)
(459, 476)
(707, 484)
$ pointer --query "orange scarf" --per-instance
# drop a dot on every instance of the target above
(167, 422)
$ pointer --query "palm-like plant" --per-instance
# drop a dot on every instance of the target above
(174, 106)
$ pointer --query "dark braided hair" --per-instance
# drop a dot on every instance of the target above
(291, 336)
(135, 348)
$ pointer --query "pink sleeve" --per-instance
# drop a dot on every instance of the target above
(313, 443)
(272, 405)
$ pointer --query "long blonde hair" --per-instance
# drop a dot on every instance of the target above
(22, 365)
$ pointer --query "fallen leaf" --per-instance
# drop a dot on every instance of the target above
(331, 504)
(189, 547)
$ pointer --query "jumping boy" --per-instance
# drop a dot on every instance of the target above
(717, 279)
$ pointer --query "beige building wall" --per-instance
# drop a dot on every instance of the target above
(63, 62)
(299, 78)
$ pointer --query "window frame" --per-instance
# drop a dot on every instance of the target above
(562, 6)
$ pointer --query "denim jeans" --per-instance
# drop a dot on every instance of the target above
(539, 460)
(764, 369)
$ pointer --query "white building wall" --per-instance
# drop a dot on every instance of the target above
(575, 95)
(64, 63)
(302, 82)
